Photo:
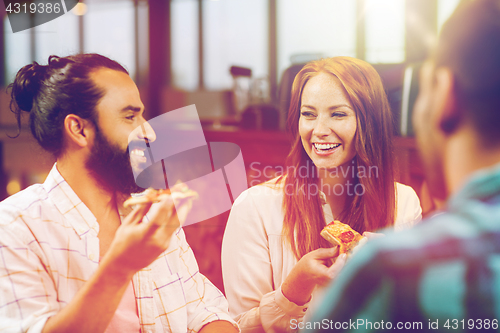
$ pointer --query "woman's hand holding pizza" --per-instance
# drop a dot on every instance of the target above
(337, 266)
(311, 270)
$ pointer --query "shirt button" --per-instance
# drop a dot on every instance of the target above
(91, 256)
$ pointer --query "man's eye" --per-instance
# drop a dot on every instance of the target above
(130, 117)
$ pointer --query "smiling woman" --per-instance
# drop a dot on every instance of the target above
(339, 168)
(327, 122)
(350, 110)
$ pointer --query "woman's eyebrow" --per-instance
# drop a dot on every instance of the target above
(339, 106)
(334, 107)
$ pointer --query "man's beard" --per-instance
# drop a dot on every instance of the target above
(111, 166)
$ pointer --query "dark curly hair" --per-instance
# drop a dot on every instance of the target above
(51, 92)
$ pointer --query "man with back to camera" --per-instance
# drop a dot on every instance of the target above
(443, 275)
(72, 259)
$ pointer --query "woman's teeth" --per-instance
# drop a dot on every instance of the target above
(326, 146)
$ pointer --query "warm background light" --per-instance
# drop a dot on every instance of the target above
(80, 9)
(13, 186)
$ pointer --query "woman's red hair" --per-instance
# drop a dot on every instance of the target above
(375, 209)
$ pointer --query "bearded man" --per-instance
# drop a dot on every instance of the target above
(73, 259)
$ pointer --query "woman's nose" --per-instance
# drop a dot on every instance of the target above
(321, 127)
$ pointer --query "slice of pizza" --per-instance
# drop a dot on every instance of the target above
(179, 192)
(338, 233)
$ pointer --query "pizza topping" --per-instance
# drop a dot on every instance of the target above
(346, 237)
(342, 235)
(149, 196)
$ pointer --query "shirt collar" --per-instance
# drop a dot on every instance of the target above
(482, 184)
(69, 204)
(322, 198)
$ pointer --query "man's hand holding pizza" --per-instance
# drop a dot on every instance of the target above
(140, 239)
(138, 242)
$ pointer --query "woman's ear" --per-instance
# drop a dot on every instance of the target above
(78, 130)
(449, 116)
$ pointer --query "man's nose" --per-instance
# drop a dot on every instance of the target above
(147, 132)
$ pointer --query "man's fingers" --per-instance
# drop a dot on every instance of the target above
(137, 214)
(171, 225)
(163, 215)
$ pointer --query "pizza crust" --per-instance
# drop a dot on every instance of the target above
(179, 192)
(328, 236)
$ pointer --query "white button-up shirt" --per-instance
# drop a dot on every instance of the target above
(255, 261)
(49, 249)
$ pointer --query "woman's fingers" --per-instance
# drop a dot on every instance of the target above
(326, 253)
(337, 266)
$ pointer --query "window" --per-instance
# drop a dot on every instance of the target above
(385, 31)
(17, 50)
(57, 37)
(308, 29)
(184, 25)
(234, 33)
(109, 30)
(445, 9)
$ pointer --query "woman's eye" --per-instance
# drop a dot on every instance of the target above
(307, 114)
(338, 114)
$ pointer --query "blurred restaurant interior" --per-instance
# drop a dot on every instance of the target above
(234, 59)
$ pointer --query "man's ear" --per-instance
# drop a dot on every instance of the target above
(446, 98)
(78, 130)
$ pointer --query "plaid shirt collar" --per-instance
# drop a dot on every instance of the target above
(69, 204)
(482, 184)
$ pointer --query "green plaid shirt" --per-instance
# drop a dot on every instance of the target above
(442, 275)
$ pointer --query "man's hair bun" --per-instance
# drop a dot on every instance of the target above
(26, 86)
(56, 62)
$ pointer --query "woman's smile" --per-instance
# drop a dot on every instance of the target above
(325, 149)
